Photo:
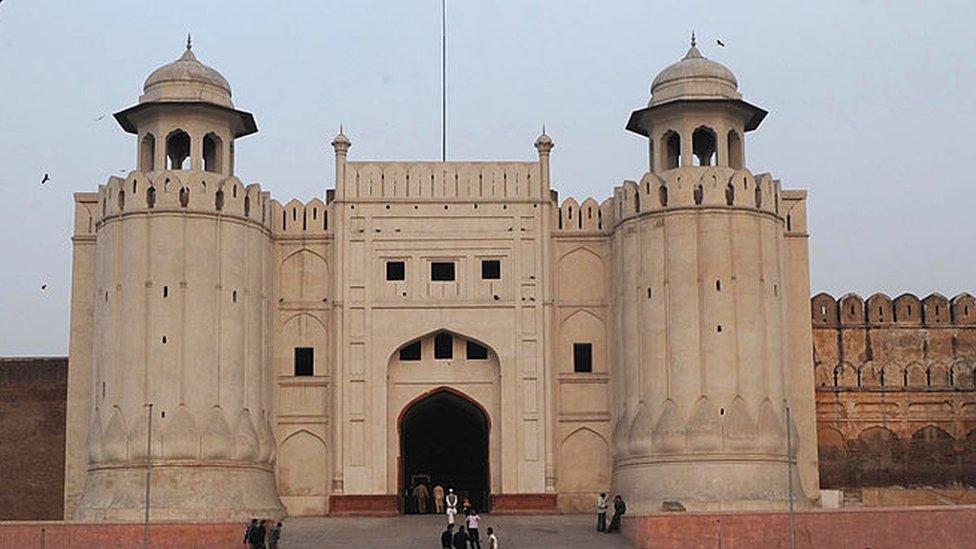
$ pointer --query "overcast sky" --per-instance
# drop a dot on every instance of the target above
(871, 110)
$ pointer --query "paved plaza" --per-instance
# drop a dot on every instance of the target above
(423, 532)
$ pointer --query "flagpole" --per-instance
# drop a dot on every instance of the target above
(443, 80)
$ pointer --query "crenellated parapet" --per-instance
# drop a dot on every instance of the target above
(590, 217)
(187, 191)
(906, 310)
(696, 187)
(297, 219)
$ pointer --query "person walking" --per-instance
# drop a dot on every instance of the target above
(619, 508)
(447, 537)
(473, 520)
(451, 500)
(492, 539)
(460, 539)
(273, 536)
(421, 494)
(601, 512)
(250, 535)
(439, 499)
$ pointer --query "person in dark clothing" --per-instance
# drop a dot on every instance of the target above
(260, 534)
(273, 536)
(251, 535)
(460, 539)
(447, 537)
(619, 508)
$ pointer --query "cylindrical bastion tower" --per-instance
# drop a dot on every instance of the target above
(182, 326)
(698, 307)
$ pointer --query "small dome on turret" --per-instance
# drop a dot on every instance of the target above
(694, 77)
(187, 79)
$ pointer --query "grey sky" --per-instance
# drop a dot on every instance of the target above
(870, 110)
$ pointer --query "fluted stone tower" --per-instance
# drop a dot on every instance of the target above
(182, 281)
(698, 306)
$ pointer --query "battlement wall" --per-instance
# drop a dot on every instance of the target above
(298, 219)
(182, 190)
(906, 309)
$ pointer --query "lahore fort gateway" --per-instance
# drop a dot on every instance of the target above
(459, 323)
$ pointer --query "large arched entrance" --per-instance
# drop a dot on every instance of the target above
(444, 440)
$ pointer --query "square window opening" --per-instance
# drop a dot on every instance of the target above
(304, 361)
(443, 346)
(582, 357)
(395, 270)
(491, 269)
(442, 271)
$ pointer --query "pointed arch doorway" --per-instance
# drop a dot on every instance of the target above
(444, 440)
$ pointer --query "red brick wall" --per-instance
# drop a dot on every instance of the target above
(66, 535)
(33, 393)
(914, 527)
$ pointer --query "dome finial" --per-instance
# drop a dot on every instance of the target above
(189, 41)
(693, 41)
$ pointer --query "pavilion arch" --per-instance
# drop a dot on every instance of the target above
(304, 276)
(585, 454)
(303, 465)
(704, 144)
(213, 153)
(582, 276)
(670, 150)
(582, 326)
(177, 150)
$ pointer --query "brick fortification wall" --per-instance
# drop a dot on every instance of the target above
(896, 394)
(33, 392)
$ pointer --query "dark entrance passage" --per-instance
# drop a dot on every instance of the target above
(444, 440)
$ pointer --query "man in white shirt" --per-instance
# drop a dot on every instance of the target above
(492, 540)
(473, 520)
(601, 512)
(451, 500)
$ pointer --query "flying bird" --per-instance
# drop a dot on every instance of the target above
(720, 43)
(45, 179)
(43, 287)
(97, 119)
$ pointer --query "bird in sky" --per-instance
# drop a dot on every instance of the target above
(43, 287)
(45, 179)
(720, 43)
(97, 119)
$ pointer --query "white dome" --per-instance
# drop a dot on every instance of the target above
(187, 79)
(694, 77)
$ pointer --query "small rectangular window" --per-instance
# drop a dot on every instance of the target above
(491, 269)
(442, 271)
(582, 357)
(304, 361)
(395, 270)
(410, 352)
(476, 352)
(443, 346)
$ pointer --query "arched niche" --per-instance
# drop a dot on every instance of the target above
(303, 276)
(303, 465)
(581, 277)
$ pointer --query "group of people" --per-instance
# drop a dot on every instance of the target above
(259, 536)
(467, 533)
(418, 498)
(602, 505)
